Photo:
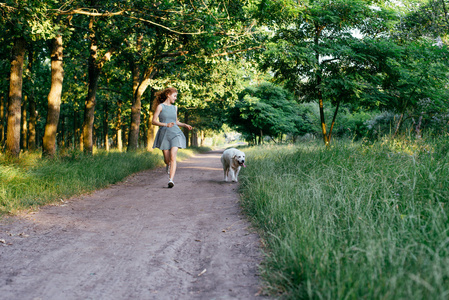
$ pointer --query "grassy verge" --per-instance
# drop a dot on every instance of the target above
(353, 221)
(32, 181)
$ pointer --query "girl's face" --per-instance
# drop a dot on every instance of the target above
(172, 97)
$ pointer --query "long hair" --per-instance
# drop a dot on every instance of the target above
(161, 96)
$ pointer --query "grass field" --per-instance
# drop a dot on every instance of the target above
(31, 181)
(354, 221)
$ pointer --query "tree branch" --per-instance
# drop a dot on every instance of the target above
(329, 60)
(236, 51)
(165, 27)
(81, 11)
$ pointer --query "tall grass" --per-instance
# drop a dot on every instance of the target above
(32, 181)
(353, 221)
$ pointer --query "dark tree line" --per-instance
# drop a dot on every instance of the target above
(85, 55)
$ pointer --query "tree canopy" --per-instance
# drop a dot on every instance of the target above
(81, 74)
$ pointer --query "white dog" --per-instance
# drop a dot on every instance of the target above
(232, 160)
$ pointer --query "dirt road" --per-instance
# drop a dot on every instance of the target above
(136, 240)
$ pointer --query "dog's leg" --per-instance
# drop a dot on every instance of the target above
(225, 174)
(237, 174)
(231, 170)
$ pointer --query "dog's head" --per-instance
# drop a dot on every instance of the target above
(239, 157)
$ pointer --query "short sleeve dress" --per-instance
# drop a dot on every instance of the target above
(168, 137)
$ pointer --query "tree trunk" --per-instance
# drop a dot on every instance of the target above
(24, 128)
(2, 119)
(323, 123)
(31, 106)
(151, 129)
(54, 98)
(89, 108)
(318, 31)
(333, 122)
(32, 123)
(106, 126)
(150, 132)
(194, 139)
(15, 98)
(62, 133)
(119, 127)
(137, 107)
(76, 130)
(186, 131)
(94, 69)
(203, 138)
(136, 102)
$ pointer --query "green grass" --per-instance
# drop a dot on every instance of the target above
(354, 221)
(31, 181)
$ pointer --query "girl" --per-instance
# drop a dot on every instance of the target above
(169, 137)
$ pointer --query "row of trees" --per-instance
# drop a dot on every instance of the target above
(379, 64)
(79, 52)
(91, 67)
(362, 54)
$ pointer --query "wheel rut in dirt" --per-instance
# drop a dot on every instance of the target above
(137, 239)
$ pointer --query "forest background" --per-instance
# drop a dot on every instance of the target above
(81, 74)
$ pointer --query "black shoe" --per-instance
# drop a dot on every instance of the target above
(171, 184)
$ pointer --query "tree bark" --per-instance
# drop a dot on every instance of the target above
(54, 98)
(136, 103)
(2, 119)
(94, 69)
(318, 31)
(119, 127)
(24, 127)
(133, 138)
(31, 107)
(15, 98)
(194, 139)
(150, 134)
(186, 131)
(32, 125)
(106, 126)
(138, 89)
(333, 122)
(89, 108)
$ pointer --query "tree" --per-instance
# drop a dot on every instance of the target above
(183, 41)
(423, 18)
(312, 47)
(265, 110)
(15, 97)
(54, 98)
(415, 82)
(195, 32)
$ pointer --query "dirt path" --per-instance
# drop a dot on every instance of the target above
(136, 240)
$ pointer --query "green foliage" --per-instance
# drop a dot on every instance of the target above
(428, 18)
(269, 110)
(418, 73)
(352, 221)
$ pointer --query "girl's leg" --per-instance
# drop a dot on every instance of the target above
(172, 156)
(166, 156)
(167, 160)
